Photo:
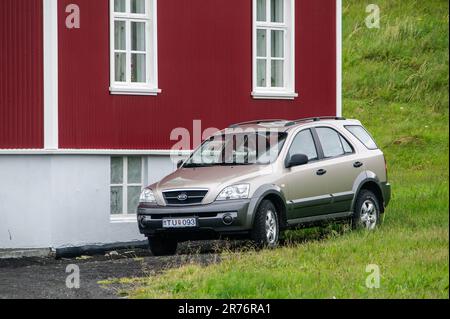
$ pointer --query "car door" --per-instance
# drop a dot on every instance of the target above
(307, 191)
(341, 167)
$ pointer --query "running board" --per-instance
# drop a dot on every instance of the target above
(319, 218)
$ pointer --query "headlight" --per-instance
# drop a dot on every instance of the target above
(234, 192)
(147, 197)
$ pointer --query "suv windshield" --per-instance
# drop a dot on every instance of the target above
(238, 149)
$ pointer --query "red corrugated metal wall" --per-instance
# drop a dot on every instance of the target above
(205, 72)
(21, 74)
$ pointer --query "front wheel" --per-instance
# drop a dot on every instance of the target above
(266, 229)
(162, 246)
(367, 211)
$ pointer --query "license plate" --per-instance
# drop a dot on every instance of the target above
(179, 222)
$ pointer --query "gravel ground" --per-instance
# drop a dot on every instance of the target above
(43, 278)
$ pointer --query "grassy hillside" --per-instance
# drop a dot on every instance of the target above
(396, 83)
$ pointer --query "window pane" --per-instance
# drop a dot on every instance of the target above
(277, 73)
(347, 147)
(304, 144)
(116, 170)
(137, 6)
(134, 193)
(116, 200)
(361, 134)
(119, 35)
(261, 10)
(277, 39)
(138, 36)
(261, 72)
(134, 170)
(261, 43)
(138, 68)
(331, 142)
(277, 11)
(119, 6)
(120, 65)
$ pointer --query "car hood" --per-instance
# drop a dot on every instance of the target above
(215, 179)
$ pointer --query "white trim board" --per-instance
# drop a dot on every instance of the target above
(50, 23)
(93, 152)
(338, 57)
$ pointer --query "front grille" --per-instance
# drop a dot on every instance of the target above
(184, 197)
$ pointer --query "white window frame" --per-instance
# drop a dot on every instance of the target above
(288, 26)
(125, 214)
(150, 87)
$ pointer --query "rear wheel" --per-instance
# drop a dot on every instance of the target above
(367, 211)
(162, 246)
(266, 229)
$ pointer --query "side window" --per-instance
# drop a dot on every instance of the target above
(273, 49)
(348, 149)
(304, 144)
(363, 136)
(133, 48)
(126, 184)
(331, 142)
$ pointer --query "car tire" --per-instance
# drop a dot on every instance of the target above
(163, 246)
(266, 228)
(366, 214)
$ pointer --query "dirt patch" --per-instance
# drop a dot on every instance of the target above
(409, 140)
(45, 278)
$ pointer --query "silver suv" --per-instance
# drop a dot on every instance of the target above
(258, 178)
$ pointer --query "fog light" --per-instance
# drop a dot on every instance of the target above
(227, 220)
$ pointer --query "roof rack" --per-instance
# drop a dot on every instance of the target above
(320, 118)
(288, 123)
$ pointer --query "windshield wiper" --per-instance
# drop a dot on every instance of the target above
(195, 165)
(235, 164)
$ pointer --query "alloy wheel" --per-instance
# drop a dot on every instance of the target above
(369, 215)
(271, 228)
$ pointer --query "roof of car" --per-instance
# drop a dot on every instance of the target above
(286, 125)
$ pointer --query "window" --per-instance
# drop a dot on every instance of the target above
(133, 47)
(273, 49)
(238, 149)
(331, 142)
(363, 136)
(348, 149)
(126, 184)
(304, 144)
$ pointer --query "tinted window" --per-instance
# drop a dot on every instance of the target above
(361, 134)
(331, 142)
(304, 144)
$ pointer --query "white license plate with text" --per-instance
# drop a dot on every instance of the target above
(179, 222)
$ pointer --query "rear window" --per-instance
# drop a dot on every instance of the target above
(363, 136)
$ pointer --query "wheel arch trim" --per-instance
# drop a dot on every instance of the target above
(262, 193)
(369, 179)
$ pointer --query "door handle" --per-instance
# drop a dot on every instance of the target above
(321, 172)
(357, 164)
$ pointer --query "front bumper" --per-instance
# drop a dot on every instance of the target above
(210, 218)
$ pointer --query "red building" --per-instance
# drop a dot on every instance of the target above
(91, 91)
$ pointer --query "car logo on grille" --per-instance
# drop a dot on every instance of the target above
(182, 197)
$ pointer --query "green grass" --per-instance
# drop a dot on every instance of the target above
(396, 83)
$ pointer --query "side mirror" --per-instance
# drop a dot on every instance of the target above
(179, 164)
(297, 160)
